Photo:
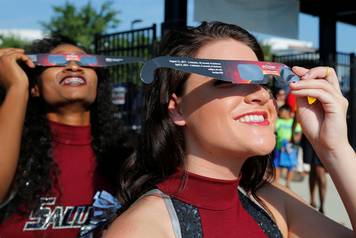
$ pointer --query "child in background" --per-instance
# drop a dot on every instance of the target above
(286, 152)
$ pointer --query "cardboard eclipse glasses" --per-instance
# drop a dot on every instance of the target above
(234, 71)
(84, 60)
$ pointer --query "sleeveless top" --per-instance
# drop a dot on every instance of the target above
(67, 206)
(204, 207)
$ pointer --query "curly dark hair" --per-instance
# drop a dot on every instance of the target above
(37, 171)
(162, 148)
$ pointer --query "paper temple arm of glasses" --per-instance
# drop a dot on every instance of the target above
(213, 69)
(111, 60)
(108, 60)
(33, 58)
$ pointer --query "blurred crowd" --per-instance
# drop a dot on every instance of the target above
(294, 158)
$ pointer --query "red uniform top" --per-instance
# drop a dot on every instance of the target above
(292, 102)
(66, 207)
(218, 203)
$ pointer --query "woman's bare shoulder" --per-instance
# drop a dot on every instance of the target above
(147, 217)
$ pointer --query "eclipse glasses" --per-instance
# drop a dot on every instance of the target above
(84, 60)
(234, 71)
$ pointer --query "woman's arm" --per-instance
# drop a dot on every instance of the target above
(324, 124)
(12, 113)
(297, 219)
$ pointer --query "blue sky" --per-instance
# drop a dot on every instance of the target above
(28, 14)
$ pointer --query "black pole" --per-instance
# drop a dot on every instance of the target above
(154, 45)
(96, 43)
(327, 37)
(175, 15)
(352, 102)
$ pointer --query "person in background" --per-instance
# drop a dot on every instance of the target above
(291, 101)
(302, 168)
(59, 142)
(317, 175)
(286, 152)
(281, 97)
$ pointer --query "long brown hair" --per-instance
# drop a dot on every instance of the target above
(37, 171)
(161, 148)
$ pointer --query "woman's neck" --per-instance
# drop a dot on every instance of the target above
(218, 167)
(81, 118)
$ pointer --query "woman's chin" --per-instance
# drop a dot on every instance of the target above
(261, 149)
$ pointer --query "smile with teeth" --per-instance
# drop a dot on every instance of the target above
(254, 119)
(73, 81)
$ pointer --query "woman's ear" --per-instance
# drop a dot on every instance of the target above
(35, 91)
(175, 112)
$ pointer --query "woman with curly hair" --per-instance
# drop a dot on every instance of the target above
(203, 168)
(59, 141)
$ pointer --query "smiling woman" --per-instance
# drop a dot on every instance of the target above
(59, 142)
(71, 83)
(203, 167)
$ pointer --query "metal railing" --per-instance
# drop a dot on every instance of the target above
(127, 87)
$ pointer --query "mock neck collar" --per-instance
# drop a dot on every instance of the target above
(71, 135)
(200, 191)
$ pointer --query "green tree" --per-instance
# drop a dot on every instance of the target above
(267, 52)
(13, 41)
(82, 24)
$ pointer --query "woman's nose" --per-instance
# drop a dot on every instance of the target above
(73, 66)
(257, 94)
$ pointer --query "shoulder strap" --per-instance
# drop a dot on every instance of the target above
(9, 198)
(260, 215)
(170, 208)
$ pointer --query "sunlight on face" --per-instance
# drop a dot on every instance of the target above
(224, 118)
(68, 84)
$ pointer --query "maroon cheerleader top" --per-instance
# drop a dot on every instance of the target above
(207, 207)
